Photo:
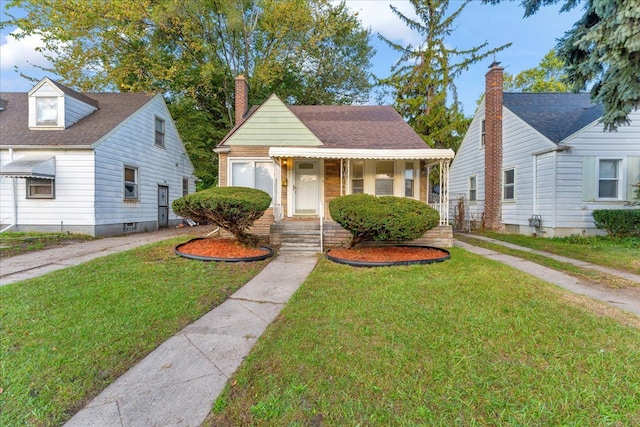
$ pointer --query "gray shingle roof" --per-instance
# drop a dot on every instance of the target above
(114, 108)
(358, 126)
(555, 115)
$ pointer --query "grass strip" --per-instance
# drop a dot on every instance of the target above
(467, 342)
(565, 267)
(621, 254)
(65, 336)
(14, 243)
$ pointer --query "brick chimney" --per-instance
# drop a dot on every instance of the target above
(242, 98)
(493, 147)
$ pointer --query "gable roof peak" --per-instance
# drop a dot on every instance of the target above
(65, 90)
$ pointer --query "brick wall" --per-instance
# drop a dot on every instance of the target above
(493, 148)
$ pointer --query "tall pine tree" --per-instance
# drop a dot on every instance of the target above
(423, 79)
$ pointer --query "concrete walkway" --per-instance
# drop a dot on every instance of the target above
(178, 382)
(33, 264)
(627, 299)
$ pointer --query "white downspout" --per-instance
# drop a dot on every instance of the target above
(14, 195)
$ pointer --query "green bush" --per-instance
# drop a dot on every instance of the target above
(233, 208)
(618, 222)
(368, 217)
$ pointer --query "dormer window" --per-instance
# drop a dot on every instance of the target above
(47, 111)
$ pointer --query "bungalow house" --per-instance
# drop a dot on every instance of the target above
(94, 163)
(305, 156)
(541, 163)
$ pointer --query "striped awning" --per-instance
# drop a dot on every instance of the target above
(29, 167)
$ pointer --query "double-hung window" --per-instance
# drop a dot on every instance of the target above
(483, 131)
(384, 178)
(472, 188)
(130, 183)
(409, 180)
(185, 186)
(357, 176)
(257, 174)
(509, 184)
(159, 126)
(609, 179)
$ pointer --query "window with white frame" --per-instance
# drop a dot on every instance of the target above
(159, 141)
(409, 180)
(483, 130)
(384, 178)
(609, 179)
(257, 174)
(47, 111)
(357, 176)
(39, 188)
(509, 184)
(472, 188)
(130, 183)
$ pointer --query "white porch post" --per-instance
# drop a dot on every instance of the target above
(443, 197)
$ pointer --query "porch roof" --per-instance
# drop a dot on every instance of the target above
(361, 153)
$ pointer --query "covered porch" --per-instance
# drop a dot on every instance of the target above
(308, 178)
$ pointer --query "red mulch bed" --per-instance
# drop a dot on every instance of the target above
(220, 248)
(387, 254)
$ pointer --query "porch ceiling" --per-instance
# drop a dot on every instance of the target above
(346, 153)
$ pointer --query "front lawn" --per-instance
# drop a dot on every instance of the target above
(621, 254)
(14, 243)
(467, 342)
(65, 336)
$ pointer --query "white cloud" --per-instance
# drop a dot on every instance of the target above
(377, 15)
(21, 52)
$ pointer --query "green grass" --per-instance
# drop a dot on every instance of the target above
(622, 254)
(589, 274)
(14, 243)
(467, 342)
(65, 336)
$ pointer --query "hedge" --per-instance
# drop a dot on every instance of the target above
(618, 222)
(368, 217)
(233, 208)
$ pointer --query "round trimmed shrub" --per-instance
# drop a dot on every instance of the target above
(233, 208)
(369, 217)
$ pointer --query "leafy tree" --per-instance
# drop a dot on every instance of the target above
(307, 51)
(548, 76)
(602, 47)
(233, 208)
(423, 79)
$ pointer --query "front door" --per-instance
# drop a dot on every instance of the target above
(163, 206)
(305, 190)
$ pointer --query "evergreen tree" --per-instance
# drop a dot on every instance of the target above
(603, 47)
(423, 80)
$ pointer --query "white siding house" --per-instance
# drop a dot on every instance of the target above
(558, 164)
(100, 164)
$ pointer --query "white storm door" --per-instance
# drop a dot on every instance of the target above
(305, 190)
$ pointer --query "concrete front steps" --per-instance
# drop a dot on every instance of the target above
(297, 236)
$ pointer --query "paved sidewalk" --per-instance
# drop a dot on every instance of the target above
(178, 382)
(22, 267)
(627, 299)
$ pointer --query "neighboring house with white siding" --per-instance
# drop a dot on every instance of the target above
(100, 164)
(541, 163)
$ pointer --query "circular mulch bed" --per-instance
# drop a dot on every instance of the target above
(377, 256)
(226, 250)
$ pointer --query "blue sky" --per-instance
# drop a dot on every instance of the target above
(532, 38)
